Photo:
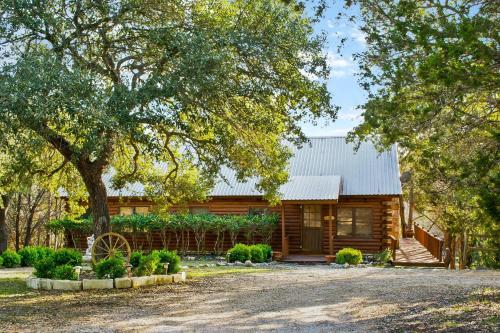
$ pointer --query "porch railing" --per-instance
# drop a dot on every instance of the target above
(285, 247)
(432, 243)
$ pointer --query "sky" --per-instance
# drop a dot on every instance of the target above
(342, 83)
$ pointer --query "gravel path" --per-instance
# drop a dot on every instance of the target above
(297, 299)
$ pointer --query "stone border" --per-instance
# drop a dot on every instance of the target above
(96, 284)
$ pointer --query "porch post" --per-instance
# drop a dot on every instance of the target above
(283, 228)
(330, 229)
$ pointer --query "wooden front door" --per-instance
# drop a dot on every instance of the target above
(312, 232)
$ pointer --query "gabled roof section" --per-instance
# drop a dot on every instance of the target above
(322, 169)
(362, 172)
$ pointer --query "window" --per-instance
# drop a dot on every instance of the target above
(141, 210)
(198, 210)
(258, 211)
(126, 211)
(354, 222)
(312, 216)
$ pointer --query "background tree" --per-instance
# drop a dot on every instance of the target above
(432, 72)
(226, 80)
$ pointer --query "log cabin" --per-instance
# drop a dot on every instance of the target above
(336, 197)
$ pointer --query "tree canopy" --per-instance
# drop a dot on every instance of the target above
(431, 69)
(163, 90)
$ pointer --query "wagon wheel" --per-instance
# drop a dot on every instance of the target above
(109, 245)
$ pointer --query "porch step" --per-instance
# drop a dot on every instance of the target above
(304, 259)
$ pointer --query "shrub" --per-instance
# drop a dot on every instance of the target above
(148, 264)
(1, 261)
(111, 268)
(44, 252)
(64, 272)
(29, 255)
(174, 261)
(267, 251)
(383, 257)
(350, 256)
(67, 257)
(11, 259)
(256, 254)
(135, 258)
(239, 252)
(44, 268)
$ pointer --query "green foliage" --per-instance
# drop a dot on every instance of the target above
(111, 268)
(44, 268)
(239, 252)
(1, 261)
(350, 256)
(64, 272)
(66, 256)
(383, 256)
(11, 259)
(174, 261)
(267, 251)
(439, 101)
(59, 225)
(256, 254)
(31, 254)
(148, 264)
(135, 258)
(138, 98)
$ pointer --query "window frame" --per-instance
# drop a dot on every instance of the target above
(354, 233)
(264, 210)
(134, 210)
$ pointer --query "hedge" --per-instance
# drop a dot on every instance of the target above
(181, 225)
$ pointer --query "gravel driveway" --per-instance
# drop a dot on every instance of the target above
(295, 299)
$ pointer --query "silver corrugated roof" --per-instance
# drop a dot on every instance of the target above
(316, 171)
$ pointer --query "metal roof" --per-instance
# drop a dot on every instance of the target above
(321, 169)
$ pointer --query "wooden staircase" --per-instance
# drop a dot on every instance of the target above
(412, 253)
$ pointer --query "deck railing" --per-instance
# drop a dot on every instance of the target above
(432, 243)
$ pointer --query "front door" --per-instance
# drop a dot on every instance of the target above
(311, 229)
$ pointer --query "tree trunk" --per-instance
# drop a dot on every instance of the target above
(4, 232)
(410, 211)
(17, 221)
(98, 198)
(402, 215)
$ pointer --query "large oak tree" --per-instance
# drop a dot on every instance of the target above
(167, 83)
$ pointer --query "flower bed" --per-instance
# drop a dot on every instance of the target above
(94, 284)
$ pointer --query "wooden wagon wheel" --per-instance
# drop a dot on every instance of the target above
(109, 245)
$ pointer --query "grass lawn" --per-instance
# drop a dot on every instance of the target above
(12, 287)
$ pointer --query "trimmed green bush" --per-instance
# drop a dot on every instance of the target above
(29, 255)
(64, 272)
(44, 252)
(111, 268)
(148, 264)
(174, 262)
(135, 258)
(239, 252)
(267, 251)
(383, 257)
(256, 254)
(349, 255)
(67, 257)
(44, 268)
(11, 259)
(1, 261)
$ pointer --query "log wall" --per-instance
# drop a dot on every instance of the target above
(385, 221)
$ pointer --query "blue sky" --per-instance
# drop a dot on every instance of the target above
(342, 83)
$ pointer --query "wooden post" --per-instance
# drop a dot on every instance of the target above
(283, 228)
(330, 229)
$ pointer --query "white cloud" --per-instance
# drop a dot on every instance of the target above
(340, 67)
(353, 114)
(358, 35)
